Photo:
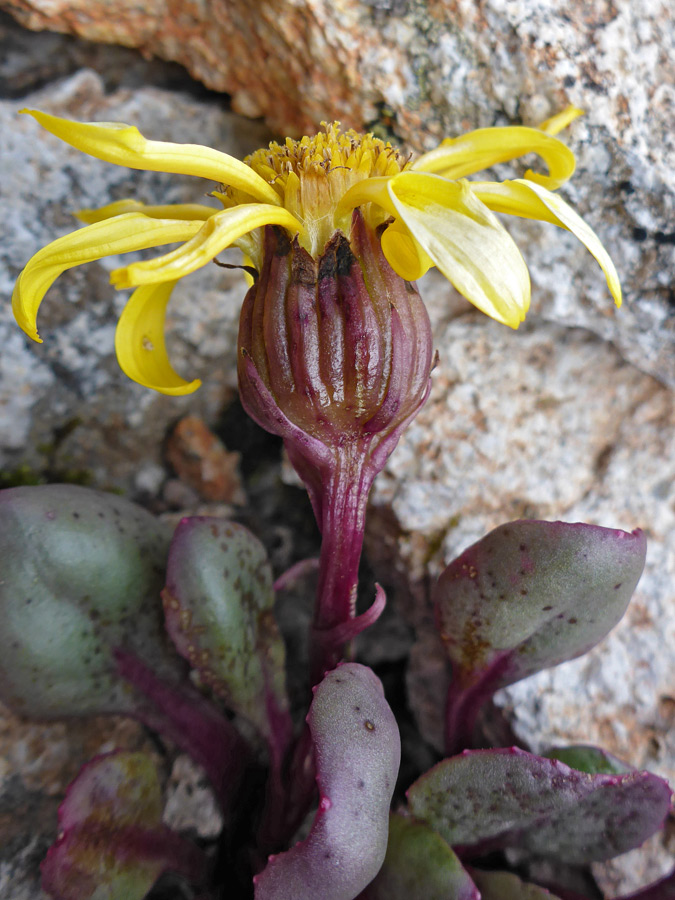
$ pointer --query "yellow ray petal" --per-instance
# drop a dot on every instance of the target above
(124, 145)
(561, 120)
(412, 261)
(139, 341)
(247, 261)
(466, 241)
(531, 201)
(483, 148)
(370, 190)
(131, 231)
(217, 233)
(187, 211)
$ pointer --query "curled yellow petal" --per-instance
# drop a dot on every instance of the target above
(187, 211)
(412, 261)
(531, 201)
(217, 232)
(247, 262)
(485, 147)
(124, 145)
(561, 120)
(139, 341)
(466, 241)
(370, 190)
(130, 231)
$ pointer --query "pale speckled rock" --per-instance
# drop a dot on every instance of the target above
(73, 376)
(190, 805)
(419, 71)
(630, 871)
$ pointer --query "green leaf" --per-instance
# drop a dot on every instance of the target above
(81, 573)
(112, 843)
(219, 607)
(589, 759)
(527, 596)
(419, 865)
(505, 886)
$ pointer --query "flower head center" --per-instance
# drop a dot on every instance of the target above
(312, 174)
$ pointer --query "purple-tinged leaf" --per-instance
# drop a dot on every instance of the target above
(488, 799)
(660, 890)
(112, 843)
(527, 596)
(80, 574)
(219, 607)
(419, 865)
(182, 714)
(505, 886)
(358, 751)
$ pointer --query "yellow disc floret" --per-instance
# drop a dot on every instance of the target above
(312, 175)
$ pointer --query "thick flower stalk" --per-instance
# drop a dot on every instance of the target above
(334, 356)
(334, 344)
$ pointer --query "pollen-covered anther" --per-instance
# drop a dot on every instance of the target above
(312, 175)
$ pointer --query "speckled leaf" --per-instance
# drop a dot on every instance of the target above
(112, 843)
(219, 606)
(487, 799)
(419, 865)
(357, 751)
(506, 886)
(527, 596)
(80, 574)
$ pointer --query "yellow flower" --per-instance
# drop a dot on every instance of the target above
(426, 210)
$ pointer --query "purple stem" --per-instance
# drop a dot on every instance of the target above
(296, 573)
(181, 713)
(272, 831)
(463, 703)
(284, 812)
(343, 509)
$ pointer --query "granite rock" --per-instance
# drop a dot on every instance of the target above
(554, 421)
(419, 71)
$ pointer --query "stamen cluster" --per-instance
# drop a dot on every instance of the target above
(312, 175)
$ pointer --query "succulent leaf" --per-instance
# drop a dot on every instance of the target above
(589, 759)
(489, 799)
(506, 886)
(419, 865)
(358, 751)
(80, 575)
(219, 607)
(112, 843)
(527, 596)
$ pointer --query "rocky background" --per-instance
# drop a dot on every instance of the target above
(571, 417)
